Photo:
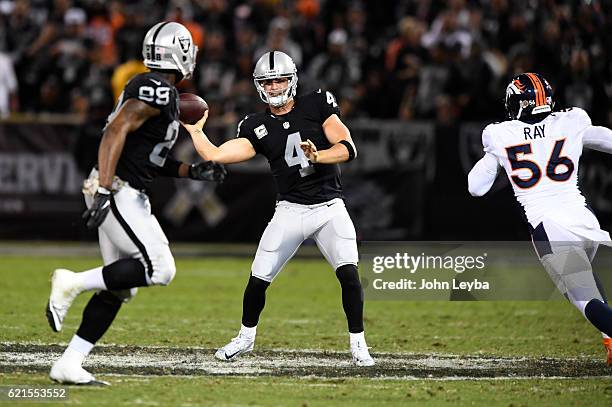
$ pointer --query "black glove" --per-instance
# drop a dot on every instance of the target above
(95, 215)
(207, 171)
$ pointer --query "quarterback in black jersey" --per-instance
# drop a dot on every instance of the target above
(304, 140)
(279, 138)
(134, 150)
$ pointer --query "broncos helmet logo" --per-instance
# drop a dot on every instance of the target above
(519, 85)
(528, 94)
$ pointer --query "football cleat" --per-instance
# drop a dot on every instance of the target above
(607, 342)
(68, 371)
(238, 346)
(361, 355)
(64, 289)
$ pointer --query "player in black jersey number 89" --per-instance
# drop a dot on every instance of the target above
(134, 150)
(303, 139)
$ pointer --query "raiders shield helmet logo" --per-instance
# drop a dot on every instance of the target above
(185, 43)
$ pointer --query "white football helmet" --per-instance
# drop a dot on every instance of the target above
(168, 46)
(273, 65)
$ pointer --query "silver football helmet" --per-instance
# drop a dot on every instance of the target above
(273, 65)
(169, 46)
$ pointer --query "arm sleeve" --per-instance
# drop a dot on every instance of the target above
(170, 168)
(482, 176)
(487, 140)
(597, 138)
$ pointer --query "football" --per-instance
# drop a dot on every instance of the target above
(191, 108)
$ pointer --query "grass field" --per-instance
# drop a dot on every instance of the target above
(430, 353)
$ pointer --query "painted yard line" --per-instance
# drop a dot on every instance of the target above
(157, 361)
(111, 348)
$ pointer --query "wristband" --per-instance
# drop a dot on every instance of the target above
(190, 173)
(349, 147)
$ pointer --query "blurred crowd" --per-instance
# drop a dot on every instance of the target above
(442, 60)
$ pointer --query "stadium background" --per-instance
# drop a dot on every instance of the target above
(416, 81)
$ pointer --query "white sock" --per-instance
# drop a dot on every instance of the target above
(356, 338)
(78, 349)
(248, 332)
(92, 279)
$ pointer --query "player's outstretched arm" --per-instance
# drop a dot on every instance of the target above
(342, 149)
(132, 114)
(232, 151)
(597, 138)
(482, 176)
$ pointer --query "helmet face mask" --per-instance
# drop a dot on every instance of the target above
(275, 65)
(528, 95)
(168, 46)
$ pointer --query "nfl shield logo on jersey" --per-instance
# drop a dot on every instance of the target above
(286, 125)
(261, 131)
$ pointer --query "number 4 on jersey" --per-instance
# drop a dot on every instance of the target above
(295, 156)
(331, 99)
(554, 161)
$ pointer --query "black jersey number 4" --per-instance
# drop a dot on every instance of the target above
(294, 155)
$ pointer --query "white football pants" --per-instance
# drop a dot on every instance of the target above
(327, 223)
(130, 230)
(566, 254)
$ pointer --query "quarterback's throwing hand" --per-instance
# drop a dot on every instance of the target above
(310, 150)
(208, 171)
(95, 215)
(191, 128)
